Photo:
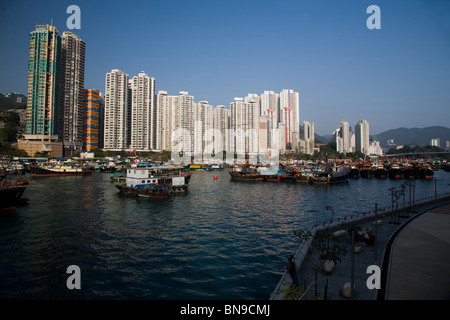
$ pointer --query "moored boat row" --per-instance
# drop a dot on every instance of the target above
(394, 172)
(318, 175)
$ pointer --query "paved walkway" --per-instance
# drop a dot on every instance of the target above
(419, 266)
(412, 250)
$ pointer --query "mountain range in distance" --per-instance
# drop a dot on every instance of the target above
(405, 136)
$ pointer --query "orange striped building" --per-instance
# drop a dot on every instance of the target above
(92, 120)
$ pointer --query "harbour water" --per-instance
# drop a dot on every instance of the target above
(222, 240)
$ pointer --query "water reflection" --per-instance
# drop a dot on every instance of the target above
(221, 240)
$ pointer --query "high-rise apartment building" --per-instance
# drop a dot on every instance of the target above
(270, 100)
(222, 125)
(244, 125)
(143, 113)
(308, 140)
(163, 121)
(344, 138)
(92, 120)
(288, 114)
(41, 136)
(183, 122)
(362, 136)
(117, 111)
(203, 128)
(43, 81)
(71, 97)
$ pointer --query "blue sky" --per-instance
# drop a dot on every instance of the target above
(398, 76)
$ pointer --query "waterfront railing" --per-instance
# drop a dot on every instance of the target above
(348, 221)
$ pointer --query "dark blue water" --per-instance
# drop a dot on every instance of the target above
(221, 240)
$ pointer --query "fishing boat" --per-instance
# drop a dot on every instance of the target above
(11, 192)
(354, 172)
(426, 172)
(137, 179)
(245, 174)
(59, 170)
(366, 171)
(269, 173)
(330, 175)
(154, 191)
(395, 172)
(320, 177)
(288, 174)
(408, 172)
(303, 176)
(380, 172)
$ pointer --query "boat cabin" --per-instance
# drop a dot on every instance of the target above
(137, 176)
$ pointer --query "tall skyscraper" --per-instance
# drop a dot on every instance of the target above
(289, 114)
(183, 122)
(270, 100)
(362, 136)
(344, 138)
(221, 124)
(143, 113)
(244, 124)
(117, 111)
(203, 128)
(43, 81)
(92, 120)
(41, 136)
(163, 121)
(71, 97)
(308, 135)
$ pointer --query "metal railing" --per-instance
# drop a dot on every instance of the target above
(351, 220)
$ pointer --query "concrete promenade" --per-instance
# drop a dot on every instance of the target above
(412, 251)
(419, 267)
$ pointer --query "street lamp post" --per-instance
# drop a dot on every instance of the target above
(331, 220)
(392, 204)
(435, 189)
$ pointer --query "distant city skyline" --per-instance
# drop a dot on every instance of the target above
(398, 76)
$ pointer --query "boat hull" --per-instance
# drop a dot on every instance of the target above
(302, 178)
(132, 191)
(381, 173)
(11, 196)
(44, 172)
(366, 173)
(395, 173)
(245, 176)
(354, 173)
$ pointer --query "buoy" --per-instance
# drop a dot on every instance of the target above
(339, 233)
(215, 177)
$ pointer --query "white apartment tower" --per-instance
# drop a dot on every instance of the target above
(308, 137)
(221, 124)
(362, 136)
(163, 124)
(289, 114)
(244, 125)
(344, 138)
(183, 122)
(143, 113)
(270, 101)
(116, 111)
(203, 128)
